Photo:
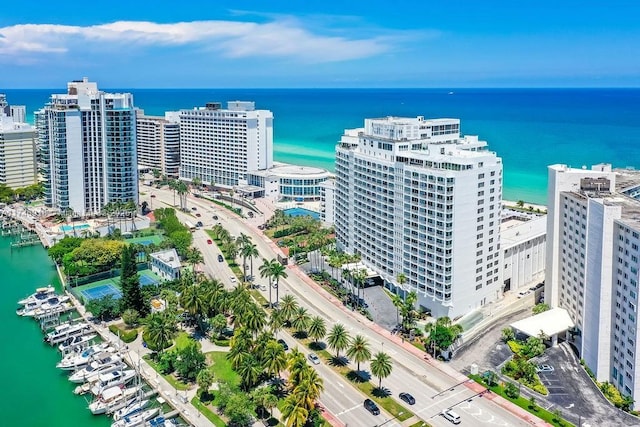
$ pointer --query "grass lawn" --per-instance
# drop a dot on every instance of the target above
(208, 413)
(182, 340)
(221, 368)
(258, 297)
(177, 384)
(525, 404)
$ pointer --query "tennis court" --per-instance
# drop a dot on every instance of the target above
(101, 291)
(146, 280)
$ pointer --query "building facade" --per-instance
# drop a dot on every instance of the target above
(327, 201)
(593, 234)
(158, 142)
(18, 165)
(166, 264)
(284, 182)
(523, 242)
(220, 146)
(88, 149)
(417, 200)
(19, 113)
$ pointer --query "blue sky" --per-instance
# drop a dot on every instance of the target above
(305, 43)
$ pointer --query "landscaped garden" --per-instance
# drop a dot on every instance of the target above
(520, 368)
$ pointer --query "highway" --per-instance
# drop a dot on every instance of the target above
(433, 389)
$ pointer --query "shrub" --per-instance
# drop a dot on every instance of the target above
(515, 346)
(540, 388)
(126, 336)
(512, 391)
(221, 343)
(508, 335)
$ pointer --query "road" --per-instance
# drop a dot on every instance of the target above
(423, 379)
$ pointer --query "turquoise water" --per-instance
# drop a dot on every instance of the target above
(77, 227)
(529, 128)
(301, 212)
(34, 392)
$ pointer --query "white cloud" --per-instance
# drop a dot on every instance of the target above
(283, 37)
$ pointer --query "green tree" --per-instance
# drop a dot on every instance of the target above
(338, 339)
(159, 330)
(275, 359)
(511, 390)
(359, 350)
(533, 347)
(239, 409)
(301, 320)
(288, 307)
(130, 282)
(508, 334)
(190, 361)
(204, 379)
(217, 325)
(317, 329)
(381, 366)
(265, 272)
(104, 308)
(130, 317)
(294, 414)
(278, 271)
(540, 308)
(249, 371)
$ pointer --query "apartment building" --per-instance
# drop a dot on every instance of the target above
(88, 148)
(220, 146)
(419, 201)
(18, 165)
(593, 234)
(158, 142)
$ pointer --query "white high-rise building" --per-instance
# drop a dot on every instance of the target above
(19, 113)
(88, 148)
(18, 166)
(220, 146)
(158, 142)
(593, 235)
(417, 200)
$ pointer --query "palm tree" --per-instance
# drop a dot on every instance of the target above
(193, 301)
(254, 319)
(204, 379)
(194, 256)
(159, 330)
(252, 252)
(408, 310)
(381, 366)
(276, 321)
(249, 371)
(294, 414)
(398, 303)
(182, 189)
(261, 396)
(265, 271)
(270, 401)
(300, 320)
(196, 181)
(278, 271)
(308, 388)
(359, 350)
(338, 339)
(243, 243)
(173, 185)
(359, 277)
(275, 359)
(317, 329)
(288, 307)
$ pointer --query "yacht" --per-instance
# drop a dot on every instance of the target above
(161, 421)
(91, 373)
(78, 359)
(135, 405)
(39, 296)
(113, 398)
(110, 379)
(66, 330)
(78, 342)
(51, 304)
(137, 419)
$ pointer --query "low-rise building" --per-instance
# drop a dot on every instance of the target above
(523, 242)
(166, 264)
(285, 182)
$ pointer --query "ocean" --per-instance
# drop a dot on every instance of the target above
(529, 128)
(35, 392)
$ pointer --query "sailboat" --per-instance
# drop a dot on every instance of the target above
(137, 419)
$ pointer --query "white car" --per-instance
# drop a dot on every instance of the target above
(233, 279)
(544, 368)
(314, 358)
(522, 294)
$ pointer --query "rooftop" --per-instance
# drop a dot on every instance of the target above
(168, 257)
(550, 322)
(293, 171)
(515, 230)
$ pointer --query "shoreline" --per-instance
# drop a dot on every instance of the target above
(514, 204)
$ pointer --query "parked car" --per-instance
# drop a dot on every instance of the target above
(523, 293)
(198, 214)
(408, 398)
(233, 279)
(215, 217)
(199, 224)
(451, 416)
(314, 358)
(544, 368)
(536, 287)
(209, 242)
(220, 258)
(193, 208)
(371, 406)
(284, 344)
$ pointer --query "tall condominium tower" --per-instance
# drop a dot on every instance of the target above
(593, 241)
(421, 205)
(158, 142)
(220, 146)
(18, 166)
(88, 148)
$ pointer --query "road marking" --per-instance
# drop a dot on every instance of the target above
(347, 410)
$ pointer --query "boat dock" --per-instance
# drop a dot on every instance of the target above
(23, 220)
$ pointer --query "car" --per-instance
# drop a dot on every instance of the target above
(215, 217)
(536, 287)
(220, 258)
(313, 358)
(198, 215)
(233, 279)
(408, 398)
(284, 344)
(371, 406)
(199, 224)
(193, 208)
(209, 242)
(263, 288)
(522, 294)
(544, 368)
(153, 196)
(451, 416)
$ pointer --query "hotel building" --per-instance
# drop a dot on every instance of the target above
(220, 146)
(18, 165)
(285, 182)
(88, 148)
(158, 142)
(415, 198)
(593, 234)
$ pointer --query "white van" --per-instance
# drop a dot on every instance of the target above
(451, 416)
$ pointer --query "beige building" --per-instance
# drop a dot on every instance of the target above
(18, 166)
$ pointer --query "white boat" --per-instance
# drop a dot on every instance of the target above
(78, 341)
(137, 404)
(98, 356)
(161, 421)
(51, 304)
(90, 373)
(39, 296)
(66, 330)
(112, 398)
(111, 379)
(137, 419)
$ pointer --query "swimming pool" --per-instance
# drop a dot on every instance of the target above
(301, 212)
(77, 227)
